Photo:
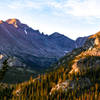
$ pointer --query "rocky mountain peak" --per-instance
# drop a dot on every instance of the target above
(93, 41)
(97, 41)
(1, 21)
(56, 34)
(14, 22)
(97, 38)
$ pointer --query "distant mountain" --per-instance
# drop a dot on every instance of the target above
(64, 43)
(31, 47)
(80, 41)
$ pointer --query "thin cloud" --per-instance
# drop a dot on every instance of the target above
(81, 8)
(85, 8)
(25, 4)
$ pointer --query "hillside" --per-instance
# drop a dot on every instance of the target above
(76, 76)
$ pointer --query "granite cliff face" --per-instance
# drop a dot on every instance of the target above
(32, 47)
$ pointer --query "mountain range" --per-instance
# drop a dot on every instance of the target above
(75, 76)
(29, 47)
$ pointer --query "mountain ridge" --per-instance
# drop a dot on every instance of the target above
(22, 41)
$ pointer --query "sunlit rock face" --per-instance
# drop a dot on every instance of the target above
(14, 22)
(2, 59)
(1, 21)
(71, 85)
(97, 41)
(1, 56)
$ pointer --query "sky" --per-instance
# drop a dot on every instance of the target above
(73, 18)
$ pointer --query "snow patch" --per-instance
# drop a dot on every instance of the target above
(25, 31)
(66, 51)
(76, 46)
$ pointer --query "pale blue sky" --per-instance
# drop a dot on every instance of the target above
(73, 18)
